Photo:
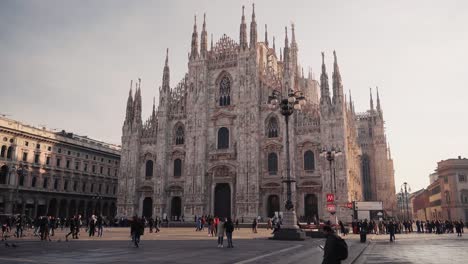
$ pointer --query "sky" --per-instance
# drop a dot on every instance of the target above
(68, 64)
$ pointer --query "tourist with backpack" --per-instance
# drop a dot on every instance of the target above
(335, 249)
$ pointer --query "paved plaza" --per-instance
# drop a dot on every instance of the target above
(184, 245)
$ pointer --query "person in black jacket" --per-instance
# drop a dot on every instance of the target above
(136, 230)
(329, 254)
(229, 228)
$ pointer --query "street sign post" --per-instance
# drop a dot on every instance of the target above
(330, 198)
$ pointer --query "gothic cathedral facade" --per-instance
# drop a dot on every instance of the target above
(215, 146)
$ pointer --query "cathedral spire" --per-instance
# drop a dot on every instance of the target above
(379, 109)
(351, 104)
(337, 83)
(243, 32)
(166, 73)
(274, 46)
(286, 48)
(194, 51)
(129, 113)
(211, 42)
(137, 104)
(204, 39)
(266, 35)
(253, 29)
(281, 55)
(324, 89)
(153, 114)
(371, 100)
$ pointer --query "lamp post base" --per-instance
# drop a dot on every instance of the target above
(289, 230)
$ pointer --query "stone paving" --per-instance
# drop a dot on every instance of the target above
(172, 245)
(416, 248)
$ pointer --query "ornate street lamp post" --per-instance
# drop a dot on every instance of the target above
(330, 155)
(287, 105)
(97, 197)
(405, 188)
(19, 172)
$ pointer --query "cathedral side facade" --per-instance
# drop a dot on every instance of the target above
(213, 145)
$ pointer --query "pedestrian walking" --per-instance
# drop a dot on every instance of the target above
(254, 225)
(136, 230)
(229, 228)
(391, 231)
(220, 233)
(335, 249)
(100, 224)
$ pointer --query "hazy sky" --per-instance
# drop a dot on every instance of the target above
(68, 64)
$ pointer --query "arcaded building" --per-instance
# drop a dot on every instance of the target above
(43, 172)
(213, 145)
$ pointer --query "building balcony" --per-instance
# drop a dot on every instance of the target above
(222, 154)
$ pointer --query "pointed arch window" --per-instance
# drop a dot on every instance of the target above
(309, 161)
(225, 91)
(272, 163)
(9, 152)
(179, 135)
(177, 167)
(272, 127)
(223, 138)
(149, 170)
(2, 154)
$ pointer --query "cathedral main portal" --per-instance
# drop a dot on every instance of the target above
(222, 202)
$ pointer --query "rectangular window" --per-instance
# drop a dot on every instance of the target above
(115, 173)
(93, 169)
(77, 165)
(86, 167)
(107, 189)
(78, 154)
(65, 185)
(69, 152)
(56, 184)
(59, 150)
(108, 171)
(26, 143)
(83, 187)
(99, 188)
(25, 156)
(38, 146)
(101, 169)
(49, 148)
(68, 164)
(45, 183)
(36, 158)
(461, 177)
(58, 162)
(445, 179)
(47, 160)
(75, 185)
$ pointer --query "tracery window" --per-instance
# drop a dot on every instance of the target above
(2, 154)
(225, 91)
(149, 170)
(272, 127)
(179, 135)
(223, 138)
(272, 163)
(309, 161)
(177, 167)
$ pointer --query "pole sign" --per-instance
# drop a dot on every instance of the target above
(349, 205)
(331, 208)
(330, 198)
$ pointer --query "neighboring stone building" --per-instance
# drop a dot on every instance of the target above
(434, 209)
(453, 180)
(214, 146)
(59, 174)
